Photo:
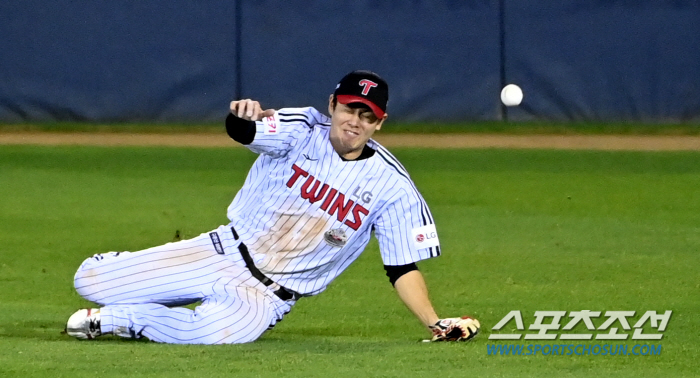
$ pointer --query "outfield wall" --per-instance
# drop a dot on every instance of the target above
(445, 60)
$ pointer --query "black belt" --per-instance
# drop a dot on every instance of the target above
(282, 293)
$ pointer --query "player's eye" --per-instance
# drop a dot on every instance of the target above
(368, 117)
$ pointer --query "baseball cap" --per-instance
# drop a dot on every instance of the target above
(365, 87)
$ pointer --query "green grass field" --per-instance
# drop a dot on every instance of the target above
(520, 230)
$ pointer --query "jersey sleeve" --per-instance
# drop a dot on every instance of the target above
(406, 231)
(278, 134)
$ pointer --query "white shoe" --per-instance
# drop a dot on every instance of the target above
(84, 324)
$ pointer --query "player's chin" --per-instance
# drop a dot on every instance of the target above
(348, 143)
(355, 141)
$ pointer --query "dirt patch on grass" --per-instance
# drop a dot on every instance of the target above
(577, 142)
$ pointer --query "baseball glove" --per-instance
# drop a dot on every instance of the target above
(455, 329)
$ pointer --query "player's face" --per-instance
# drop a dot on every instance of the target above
(351, 127)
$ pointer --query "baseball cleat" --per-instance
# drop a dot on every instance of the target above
(84, 324)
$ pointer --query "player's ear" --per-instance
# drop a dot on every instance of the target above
(331, 104)
(380, 123)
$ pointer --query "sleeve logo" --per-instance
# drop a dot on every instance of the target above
(271, 125)
(425, 237)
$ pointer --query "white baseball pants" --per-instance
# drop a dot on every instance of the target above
(137, 288)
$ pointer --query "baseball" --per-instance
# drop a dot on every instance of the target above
(511, 95)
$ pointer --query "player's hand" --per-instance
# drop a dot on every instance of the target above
(249, 110)
(455, 329)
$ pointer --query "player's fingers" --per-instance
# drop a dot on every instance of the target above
(250, 107)
(233, 107)
(249, 110)
(237, 107)
(243, 109)
(253, 111)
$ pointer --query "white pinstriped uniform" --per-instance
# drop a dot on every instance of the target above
(305, 215)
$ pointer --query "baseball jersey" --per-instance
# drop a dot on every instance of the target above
(306, 214)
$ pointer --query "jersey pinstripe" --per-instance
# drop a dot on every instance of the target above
(300, 190)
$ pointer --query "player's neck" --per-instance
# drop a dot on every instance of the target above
(365, 153)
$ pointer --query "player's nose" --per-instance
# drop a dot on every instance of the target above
(354, 119)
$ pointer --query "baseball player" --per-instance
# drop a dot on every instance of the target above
(308, 207)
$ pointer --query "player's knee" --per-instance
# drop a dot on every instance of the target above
(85, 284)
(87, 278)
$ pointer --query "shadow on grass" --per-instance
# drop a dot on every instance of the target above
(34, 330)
(50, 331)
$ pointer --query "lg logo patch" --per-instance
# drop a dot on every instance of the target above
(420, 238)
(425, 237)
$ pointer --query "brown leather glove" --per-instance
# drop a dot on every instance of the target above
(455, 329)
